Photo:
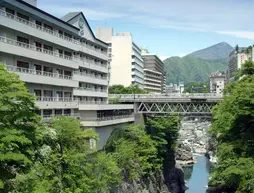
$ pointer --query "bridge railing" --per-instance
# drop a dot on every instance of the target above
(167, 96)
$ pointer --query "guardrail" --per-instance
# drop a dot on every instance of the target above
(165, 96)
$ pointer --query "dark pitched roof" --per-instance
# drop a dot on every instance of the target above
(71, 15)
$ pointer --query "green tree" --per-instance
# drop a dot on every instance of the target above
(67, 164)
(197, 87)
(18, 124)
(120, 89)
(134, 151)
(164, 131)
(233, 123)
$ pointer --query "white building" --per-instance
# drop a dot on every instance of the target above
(62, 64)
(175, 88)
(217, 83)
(126, 63)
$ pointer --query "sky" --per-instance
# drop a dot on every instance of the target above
(167, 27)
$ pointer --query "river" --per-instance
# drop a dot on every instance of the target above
(197, 176)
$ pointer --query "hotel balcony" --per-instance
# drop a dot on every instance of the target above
(14, 47)
(104, 121)
(56, 103)
(16, 23)
(42, 77)
(90, 78)
(93, 65)
(90, 92)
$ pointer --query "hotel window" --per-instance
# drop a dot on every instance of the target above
(21, 64)
(22, 16)
(47, 112)
(47, 47)
(48, 27)
(37, 93)
(67, 111)
(47, 93)
(10, 12)
(58, 112)
(23, 40)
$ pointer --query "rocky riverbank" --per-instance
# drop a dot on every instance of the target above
(194, 138)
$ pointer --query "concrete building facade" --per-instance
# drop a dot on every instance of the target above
(61, 62)
(238, 57)
(154, 74)
(126, 63)
(217, 82)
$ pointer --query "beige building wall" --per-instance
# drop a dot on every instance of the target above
(121, 72)
(104, 34)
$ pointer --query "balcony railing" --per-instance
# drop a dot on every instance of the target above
(41, 28)
(34, 48)
(89, 75)
(67, 99)
(55, 99)
(92, 102)
(91, 89)
(95, 63)
(51, 117)
(108, 118)
(37, 72)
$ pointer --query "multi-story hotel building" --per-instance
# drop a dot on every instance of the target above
(236, 58)
(154, 74)
(126, 63)
(62, 64)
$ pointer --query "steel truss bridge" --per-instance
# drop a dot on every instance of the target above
(191, 105)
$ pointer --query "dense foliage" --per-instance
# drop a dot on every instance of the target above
(57, 156)
(46, 158)
(233, 123)
(191, 69)
(196, 87)
(142, 151)
(120, 89)
(17, 129)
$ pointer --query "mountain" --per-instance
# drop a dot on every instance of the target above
(197, 66)
(215, 52)
(191, 69)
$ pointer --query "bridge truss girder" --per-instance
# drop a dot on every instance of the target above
(186, 109)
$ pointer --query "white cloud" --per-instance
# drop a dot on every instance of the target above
(195, 15)
(164, 57)
(239, 34)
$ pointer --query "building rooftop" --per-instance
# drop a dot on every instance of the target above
(69, 16)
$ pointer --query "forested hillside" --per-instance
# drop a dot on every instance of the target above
(191, 69)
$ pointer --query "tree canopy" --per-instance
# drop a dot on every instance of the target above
(120, 89)
(196, 87)
(18, 123)
(233, 123)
